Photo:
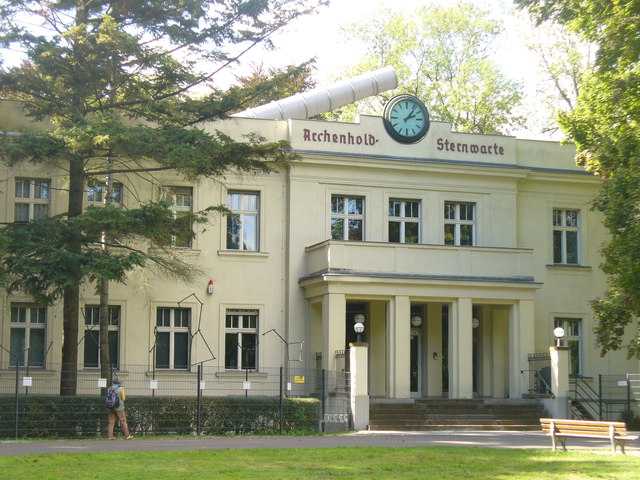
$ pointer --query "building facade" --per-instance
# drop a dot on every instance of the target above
(460, 253)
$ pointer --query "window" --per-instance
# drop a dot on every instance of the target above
(459, 223)
(565, 236)
(96, 193)
(173, 337)
(32, 199)
(404, 221)
(28, 334)
(243, 223)
(92, 336)
(181, 199)
(573, 335)
(347, 218)
(241, 340)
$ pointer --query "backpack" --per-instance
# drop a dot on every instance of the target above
(111, 399)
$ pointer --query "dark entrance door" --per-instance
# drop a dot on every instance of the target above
(414, 375)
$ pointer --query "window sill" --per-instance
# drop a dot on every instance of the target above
(177, 251)
(242, 253)
(33, 371)
(569, 266)
(241, 374)
(169, 371)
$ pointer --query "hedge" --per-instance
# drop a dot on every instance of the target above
(56, 416)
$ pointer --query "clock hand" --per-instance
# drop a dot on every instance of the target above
(412, 114)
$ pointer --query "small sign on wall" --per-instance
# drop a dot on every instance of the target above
(289, 386)
(202, 385)
(102, 383)
(153, 384)
(246, 385)
(27, 381)
(622, 383)
(298, 379)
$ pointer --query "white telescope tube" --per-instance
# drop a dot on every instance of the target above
(320, 100)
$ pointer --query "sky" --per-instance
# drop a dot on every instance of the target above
(322, 36)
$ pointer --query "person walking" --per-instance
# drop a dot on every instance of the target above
(114, 401)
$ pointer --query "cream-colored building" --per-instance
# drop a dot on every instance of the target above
(461, 251)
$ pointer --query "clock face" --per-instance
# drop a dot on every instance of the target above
(406, 119)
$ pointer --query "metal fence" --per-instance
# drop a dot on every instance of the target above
(539, 375)
(203, 400)
(607, 397)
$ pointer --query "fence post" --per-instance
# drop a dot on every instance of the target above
(281, 400)
(600, 397)
(17, 393)
(628, 397)
(323, 399)
(199, 401)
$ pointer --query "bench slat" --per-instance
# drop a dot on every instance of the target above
(582, 422)
(586, 428)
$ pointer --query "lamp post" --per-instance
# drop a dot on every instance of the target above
(416, 321)
(359, 329)
(558, 332)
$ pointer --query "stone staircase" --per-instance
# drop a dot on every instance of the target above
(443, 414)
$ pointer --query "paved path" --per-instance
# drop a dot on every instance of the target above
(363, 439)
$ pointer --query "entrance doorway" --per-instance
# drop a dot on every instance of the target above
(415, 375)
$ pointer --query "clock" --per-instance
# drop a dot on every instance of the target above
(406, 119)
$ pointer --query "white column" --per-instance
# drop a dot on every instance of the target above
(399, 347)
(334, 318)
(434, 346)
(358, 363)
(559, 405)
(461, 349)
(521, 344)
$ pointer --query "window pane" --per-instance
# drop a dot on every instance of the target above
(114, 349)
(249, 202)
(411, 232)
(16, 347)
(40, 211)
(557, 246)
(354, 206)
(91, 348)
(355, 229)
(184, 234)
(163, 317)
(36, 347)
(233, 232)
(572, 218)
(250, 233)
(574, 360)
(162, 350)
(337, 204)
(181, 350)
(182, 317)
(18, 314)
(394, 232)
(412, 210)
(114, 315)
(394, 208)
(249, 350)
(233, 201)
(466, 234)
(572, 247)
(253, 321)
(466, 211)
(231, 351)
(23, 188)
(449, 210)
(116, 192)
(557, 217)
(449, 234)
(337, 229)
(41, 189)
(22, 212)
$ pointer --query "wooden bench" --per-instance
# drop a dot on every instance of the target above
(559, 429)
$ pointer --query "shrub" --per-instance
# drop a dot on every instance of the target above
(56, 416)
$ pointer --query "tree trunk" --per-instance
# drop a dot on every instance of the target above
(71, 296)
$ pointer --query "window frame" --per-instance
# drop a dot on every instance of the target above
(457, 222)
(345, 216)
(31, 201)
(243, 213)
(564, 322)
(563, 228)
(171, 329)
(95, 327)
(240, 331)
(27, 326)
(169, 192)
(403, 219)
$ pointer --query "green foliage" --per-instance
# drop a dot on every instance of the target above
(605, 126)
(44, 416)
(441, 55)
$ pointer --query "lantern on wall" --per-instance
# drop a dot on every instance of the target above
(210, 287)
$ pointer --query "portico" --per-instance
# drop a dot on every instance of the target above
(469, 337)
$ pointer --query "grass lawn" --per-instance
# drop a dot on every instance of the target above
(439, 463)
